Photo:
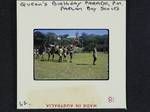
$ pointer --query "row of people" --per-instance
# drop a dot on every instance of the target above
(61, 51)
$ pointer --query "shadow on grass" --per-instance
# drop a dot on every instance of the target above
(83, 64)
(54, 61)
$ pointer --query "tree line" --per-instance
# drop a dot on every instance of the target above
(86, 42)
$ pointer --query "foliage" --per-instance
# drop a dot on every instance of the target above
(85, 41)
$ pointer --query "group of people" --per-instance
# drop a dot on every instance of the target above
(61, 51)
(52, 50)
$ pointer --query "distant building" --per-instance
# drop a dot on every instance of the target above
(71, 37)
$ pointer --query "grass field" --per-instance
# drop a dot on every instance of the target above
(80, 68)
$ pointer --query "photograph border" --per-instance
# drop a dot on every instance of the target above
(71, 79)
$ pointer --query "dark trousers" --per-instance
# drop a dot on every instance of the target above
(94, 60)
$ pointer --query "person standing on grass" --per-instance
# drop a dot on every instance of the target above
(41, 52)
(52, 52)
(94, 55)
(65, 53)
(71, 53)
(49, 52)
(60, 54)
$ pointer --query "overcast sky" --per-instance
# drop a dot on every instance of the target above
(72, 32)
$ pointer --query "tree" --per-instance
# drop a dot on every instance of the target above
(90, 40)
(51, 38)
(39, 38)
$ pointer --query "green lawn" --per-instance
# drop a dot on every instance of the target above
(80, 68)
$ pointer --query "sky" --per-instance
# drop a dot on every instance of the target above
(72, 32)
